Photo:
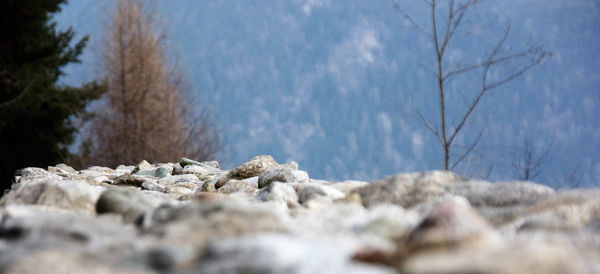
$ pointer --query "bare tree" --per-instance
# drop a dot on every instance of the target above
(528, 162)
(569, 181)
(148, 110)
(445, 28)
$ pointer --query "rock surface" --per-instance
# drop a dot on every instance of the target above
(265, 217)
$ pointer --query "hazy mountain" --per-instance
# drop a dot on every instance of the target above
(325, 83)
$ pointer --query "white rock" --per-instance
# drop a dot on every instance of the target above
(300, 176)
(278, 253)
(278, 192)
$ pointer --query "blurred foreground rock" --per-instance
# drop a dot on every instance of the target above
(266, 217)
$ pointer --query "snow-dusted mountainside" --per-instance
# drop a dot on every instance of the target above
(327, 83)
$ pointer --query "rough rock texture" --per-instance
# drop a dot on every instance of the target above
(263, 217)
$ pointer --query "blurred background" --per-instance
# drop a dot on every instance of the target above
(348, 89)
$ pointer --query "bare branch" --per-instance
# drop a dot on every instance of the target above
(483, 90)
(410, 19)
(429, 126)
(455, 17)
(495, 61)
(528, 162)
(511, 77)
(468, 151)
(429, 70)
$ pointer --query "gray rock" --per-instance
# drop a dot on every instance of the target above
(300, 176)
(61, 227)
(237, 185)
(283, 175)
(65, 194)
(348, 187)
(345, 218)
(177, 169)
(514, 257)
(32, 174)
(167, 258)
(182, 188)
(322, 193)
(174, 179)
(481, 193)
(291, 165)
(574, 208)
(154, 186)
(451, 224)
(214, 164)
(101, 169)
(408, 189)
(132, 180)
(195, 223)
(254, 167)
(62, 169)
(278, 253)
(278, 192)
(69, 261)
(388, 227)
(159, 172)
(144, 165)
(127, 202)
(252, 180)
(204, 172)
(185, 161)
(49, 240)
(123, 169)
(209, 186)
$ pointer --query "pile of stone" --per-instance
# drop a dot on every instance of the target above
(265, 217)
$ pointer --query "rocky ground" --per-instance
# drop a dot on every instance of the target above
(265, 217)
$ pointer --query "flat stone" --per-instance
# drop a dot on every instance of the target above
(573, 208)
(481, 193)
(127, 202)
(300, 176)
(170, 180)
(254, 167)
(237, 185)
(348, 187)
(203, 172)
(154, 186)
(408, 189)
(131, 180)
(283, 175)
(279, 192)
(312, 191)
(452, 223)
(32, 174)
(278, 253)
(159, 172)
(62, 169)
(185, 161)
(514, 257)
(64, 194)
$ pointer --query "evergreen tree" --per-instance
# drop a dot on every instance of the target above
(36, 114)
